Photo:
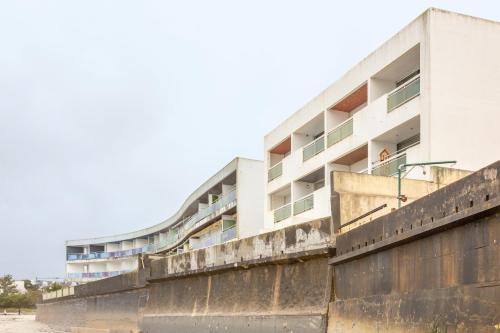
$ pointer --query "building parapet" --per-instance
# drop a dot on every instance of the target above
(469, 197)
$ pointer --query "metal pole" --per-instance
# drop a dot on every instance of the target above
(400, 167)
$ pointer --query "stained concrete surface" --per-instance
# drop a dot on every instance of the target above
(23, 324)
(431, 266)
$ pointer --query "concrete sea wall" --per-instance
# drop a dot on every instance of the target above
(431, 266)
(269, 298)
(275, 281)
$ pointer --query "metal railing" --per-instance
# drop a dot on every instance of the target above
(275, 171)
(375, 164)
(304, 204)
(389, 167)
(362, 216)
(340, 132)
(403, 94)
(314, 148)
(282, 213)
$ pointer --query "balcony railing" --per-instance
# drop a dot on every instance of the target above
(403, 94)
(282, 213)
(187, 225)
(215, 238)
(314, 148)
(195, 219)
(390, 166)
(107, 255)
(275, 171)
(94, 275)
(339, 133)
(304, 204)
(198, 219)
(228, 234)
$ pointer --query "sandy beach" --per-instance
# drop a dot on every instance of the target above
(22, 324)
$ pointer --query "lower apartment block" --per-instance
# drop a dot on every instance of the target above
(226, 207)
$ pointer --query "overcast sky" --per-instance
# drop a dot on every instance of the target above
(112, 112)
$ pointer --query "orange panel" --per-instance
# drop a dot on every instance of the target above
(353, 100)
(354, 156)
(283, 148)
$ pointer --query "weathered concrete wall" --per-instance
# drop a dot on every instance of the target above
(275, 282)
(63, 314)
(299, 240)
(354, 194)
(432, 266)
(110, 311)
(122, 282)
(278, 281)
(269, 298)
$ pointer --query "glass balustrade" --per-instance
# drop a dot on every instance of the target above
(403, 94)
(389, 167)
(107, 255)
(339, 133)
(275, 171)
(303, 204)
(95, 275)
(314, 148)
(282, 213)
(228, 234)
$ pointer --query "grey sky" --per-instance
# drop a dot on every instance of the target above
(112, 112)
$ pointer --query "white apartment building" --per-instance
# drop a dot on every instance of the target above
(226, 207)
(430, 93)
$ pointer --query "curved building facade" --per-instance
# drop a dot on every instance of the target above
(226, 207)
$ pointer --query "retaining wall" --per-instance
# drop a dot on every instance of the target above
(282, 297)
(275, 281)
(432, 266)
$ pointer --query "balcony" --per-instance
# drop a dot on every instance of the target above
(403, 94)
(275, 171)
(282, 213)
(390, 166)
(228, 234)
(93, 275)
(108, 255)
(314, 148)
(173, 236)
(339, 133)
(197, 220)
(304, 204)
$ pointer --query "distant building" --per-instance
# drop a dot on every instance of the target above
(20, 286)
(430, 93)
(226, 207)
